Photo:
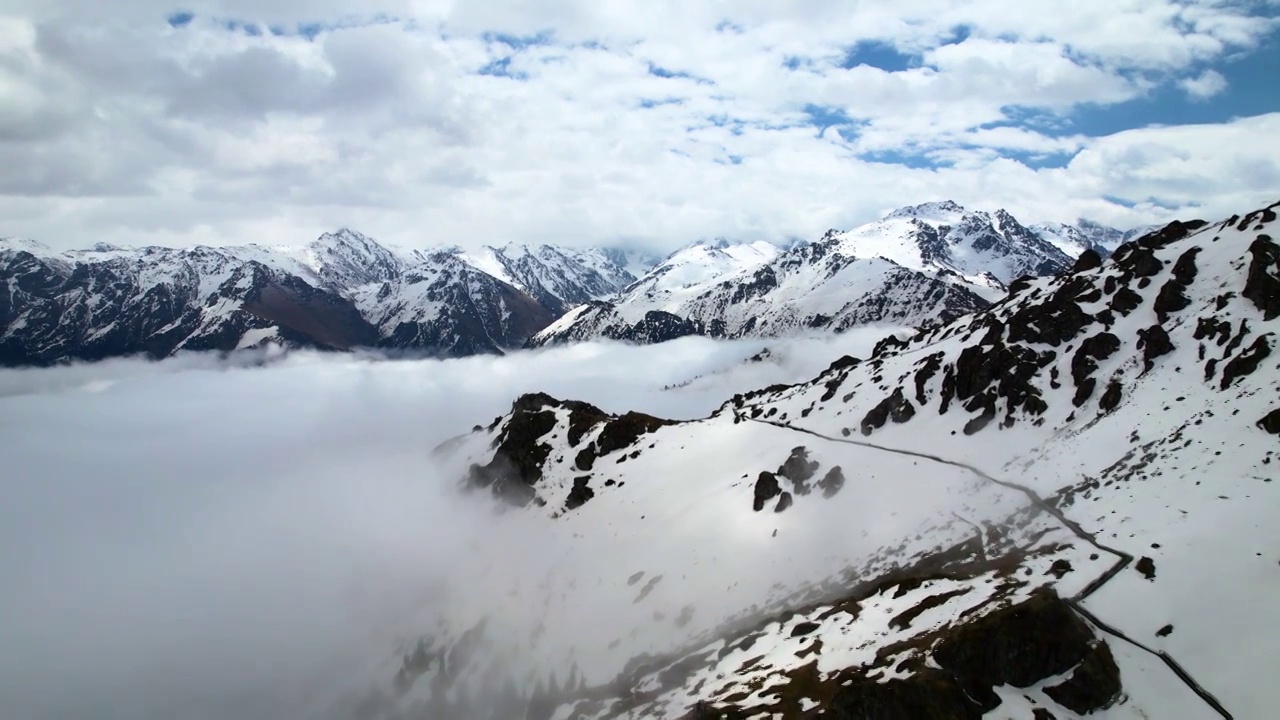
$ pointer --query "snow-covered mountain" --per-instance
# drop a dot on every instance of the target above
(558, 278)
(449, 306)
(1086, 235)
(921, 264)
(343, 290)
(918, 265)
(1061, 505)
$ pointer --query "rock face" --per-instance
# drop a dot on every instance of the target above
(340, 292)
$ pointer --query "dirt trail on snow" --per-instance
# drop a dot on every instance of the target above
(1123, 559)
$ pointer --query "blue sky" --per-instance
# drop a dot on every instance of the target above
(586, 122)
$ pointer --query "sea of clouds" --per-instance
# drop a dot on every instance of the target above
(255, 536)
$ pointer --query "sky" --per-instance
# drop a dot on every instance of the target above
(590, 122)
(202, 538)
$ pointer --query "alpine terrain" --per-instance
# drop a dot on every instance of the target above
(1062, 504)
(344, 290)
(341, 291)
(921, 264)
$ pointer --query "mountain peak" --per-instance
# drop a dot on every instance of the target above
(23, 244)
(344, 236)
(716, 243)
(936, 210)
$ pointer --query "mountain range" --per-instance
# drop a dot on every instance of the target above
(921, 264)
(1058, 505)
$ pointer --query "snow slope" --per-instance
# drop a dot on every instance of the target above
(558, 278)
(920, 264)
(1086, 235)
(1093, 454)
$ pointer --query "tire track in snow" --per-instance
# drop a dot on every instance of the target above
(1123, 558)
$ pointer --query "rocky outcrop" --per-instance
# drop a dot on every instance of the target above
(518, 455)
(1019, 646)
(1271, 422)
(766, 488)
(1262, 284)
(896, 407)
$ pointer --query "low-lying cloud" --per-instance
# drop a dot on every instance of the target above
(253, 538)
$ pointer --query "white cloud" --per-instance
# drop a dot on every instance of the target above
(124, 129)
(1205, 85)
(253, 542)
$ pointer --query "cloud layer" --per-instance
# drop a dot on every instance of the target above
(589, 122)
(199, 539)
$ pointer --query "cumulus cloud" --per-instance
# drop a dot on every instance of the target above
(261, 538)
(1205, 85)
(578, 122)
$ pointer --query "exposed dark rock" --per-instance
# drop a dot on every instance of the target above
(1021, 284)
(766, 489)
(764, 280)
(585, 459)
(625, 430)
(1171, 298)
(1184, 270)
(1211, 328)
(704, 711)
(1060, 568)
(1042, 714)
(1093, 685)
(1088, 260)
(1154, 342)
(930, 694)
(1147, 567)
(833, 481)
(784, 501)
(1019, 645)
(582, 417)
(1111, 398)
(927, 370)
(1247, 361)
(977, 424)
(1126, 300)
(1055, 321)
(1137, 261)
(804, 628)
(1166, 235)
(895, 407)
(903, 620)
(518, 458)
(1262, 284)
(1085, 362)
(798, 468)
(845, 361)
(987, 372)
(886, 344)
(1165, 631)
(580, 493)
(1271, 422)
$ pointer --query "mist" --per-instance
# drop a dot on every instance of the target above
(260, 536)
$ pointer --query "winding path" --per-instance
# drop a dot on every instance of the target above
(1123, 559)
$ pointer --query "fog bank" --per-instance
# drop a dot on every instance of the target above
(203, 538)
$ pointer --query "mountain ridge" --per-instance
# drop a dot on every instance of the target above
(347, 290)
(1104, 438)
(919, 264)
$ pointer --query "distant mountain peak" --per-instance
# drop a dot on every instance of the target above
(23, 244)
(346, 236)
(929, 210)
